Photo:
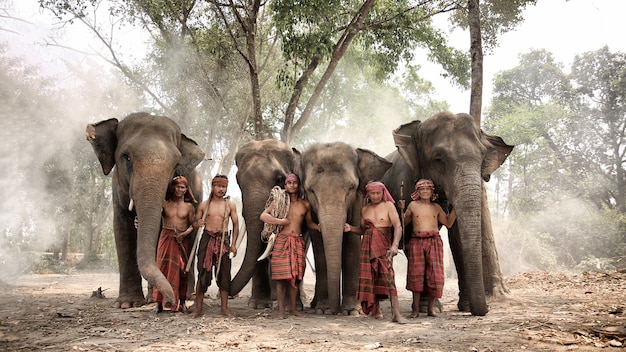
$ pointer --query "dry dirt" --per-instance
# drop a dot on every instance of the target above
(544, 312)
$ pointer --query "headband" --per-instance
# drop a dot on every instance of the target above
(379, 186)
(292, 177)
(423, 183)
(220, 181)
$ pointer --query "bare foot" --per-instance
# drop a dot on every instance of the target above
(198, 312)
(414, 315)
(398, 319)
(227, 313)
(432, 314)
(183, 307)
(297, 313)
(281, 316)
(378, 315)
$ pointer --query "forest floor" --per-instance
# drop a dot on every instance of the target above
(544, 311)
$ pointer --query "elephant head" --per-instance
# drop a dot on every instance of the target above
(451, 150)
(261, 165)
(332, 174)
(147, 151)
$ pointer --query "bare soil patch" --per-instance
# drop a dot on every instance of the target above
(544, 312)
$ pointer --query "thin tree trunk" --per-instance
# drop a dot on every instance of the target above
(476, 52)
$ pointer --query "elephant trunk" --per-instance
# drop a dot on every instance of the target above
(149, 204)
(253, 206)
(467, 201)
(332, 220)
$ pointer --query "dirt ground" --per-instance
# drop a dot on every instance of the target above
(544, 312)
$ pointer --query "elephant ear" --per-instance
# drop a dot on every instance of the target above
(497, 152)
(297, 163)
(192, 155)
(371, 167)
(103, 139)
(404, 138)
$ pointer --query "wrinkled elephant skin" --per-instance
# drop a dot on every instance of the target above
(147, 151)
(451, 150)
(331, 175)
(261, 165)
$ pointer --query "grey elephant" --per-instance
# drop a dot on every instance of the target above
(334, 176)
(261, 165)
(147, 151)
(451, 150)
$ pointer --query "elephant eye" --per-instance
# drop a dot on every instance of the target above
(126, 157)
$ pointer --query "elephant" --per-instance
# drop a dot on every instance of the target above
(261, 165)
(452, 151)
(334, 176)
(147, 152)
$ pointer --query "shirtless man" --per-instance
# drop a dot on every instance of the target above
(378, 247)
(288, 259)
(173, 249)
(215, 248)
(425, 248)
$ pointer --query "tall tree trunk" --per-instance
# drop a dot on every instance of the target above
(492, 275)
(476, 52)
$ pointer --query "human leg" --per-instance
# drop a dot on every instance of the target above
(293, 295)
(280, 295)
(415, 307)
(224, 304)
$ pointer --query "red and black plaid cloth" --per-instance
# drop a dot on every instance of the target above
(170, 260)
(376, 278)
(208, 257)
(288, 259)
(425, 263)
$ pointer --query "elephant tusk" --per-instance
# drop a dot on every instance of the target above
(131, 205)
(268, 250)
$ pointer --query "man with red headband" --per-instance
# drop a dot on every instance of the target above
(378, 247)
(173, 249)
(215, 247)
(425, 248)
(288, 259)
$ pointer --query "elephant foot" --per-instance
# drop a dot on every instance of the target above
(129, 304)
(463, 305)
(351, 311)
(259, 303)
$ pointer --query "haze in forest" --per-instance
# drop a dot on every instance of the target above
(565, 28)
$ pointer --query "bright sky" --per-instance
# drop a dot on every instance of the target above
(565, 28)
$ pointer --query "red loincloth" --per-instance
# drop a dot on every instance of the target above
(375, 275)
(425, 263)
(170, 261)
(208, 256)
(288, 259)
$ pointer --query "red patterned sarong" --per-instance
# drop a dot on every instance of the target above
(288, 259)
(171, 262)
(208, 258)
(425, 263)
(376, 276)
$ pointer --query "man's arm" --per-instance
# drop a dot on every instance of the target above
(448, 220)
(397, 228)
(267, 218)
(309, 218)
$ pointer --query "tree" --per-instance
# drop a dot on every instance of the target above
(599, 78)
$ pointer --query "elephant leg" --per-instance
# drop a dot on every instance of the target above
(350, 273)
(320, 298)
(261, 296)
(457, 256)
(130, 288)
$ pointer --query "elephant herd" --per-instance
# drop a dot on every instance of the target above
(449, 149)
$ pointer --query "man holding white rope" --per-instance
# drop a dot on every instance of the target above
(288, 259)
